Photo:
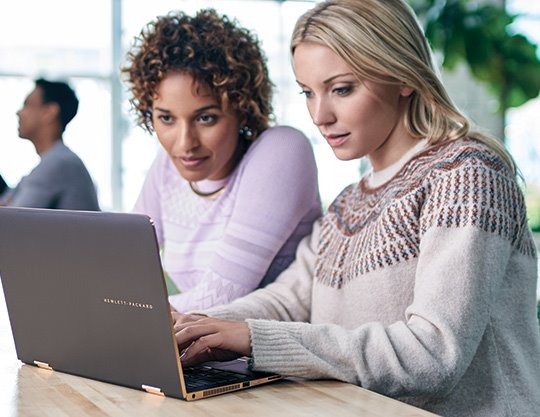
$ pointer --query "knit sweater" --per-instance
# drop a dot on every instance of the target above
(216, 250)
(422, 289)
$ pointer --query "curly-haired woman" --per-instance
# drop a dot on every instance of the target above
(230, 197)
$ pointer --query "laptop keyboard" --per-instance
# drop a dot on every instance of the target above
(203, 377)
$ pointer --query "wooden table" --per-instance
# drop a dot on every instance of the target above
(28, 391)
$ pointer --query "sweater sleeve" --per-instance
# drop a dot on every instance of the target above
(461, 267)
(286, 299)
(276, 203)
(149, 200)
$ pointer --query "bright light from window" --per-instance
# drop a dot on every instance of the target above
(72, 40)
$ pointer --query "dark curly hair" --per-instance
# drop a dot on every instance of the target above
(215, 51)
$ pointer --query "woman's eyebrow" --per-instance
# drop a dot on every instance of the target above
(336, 76)
(199, 110)
(204, 108)
(333, 77)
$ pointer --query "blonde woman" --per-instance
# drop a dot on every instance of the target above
(420, 281)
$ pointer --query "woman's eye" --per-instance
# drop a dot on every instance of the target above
(207, 118)
(165, 118)
(343, 90)
(307, 93)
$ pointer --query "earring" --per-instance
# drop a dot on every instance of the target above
(246, 132)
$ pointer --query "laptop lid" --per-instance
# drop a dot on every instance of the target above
(86, 295)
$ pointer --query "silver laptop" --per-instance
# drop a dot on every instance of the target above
(86, 295)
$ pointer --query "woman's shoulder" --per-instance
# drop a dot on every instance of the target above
(462, 153)
(449, 164)
(279, 152)
(283, 130)
(443, 160)
(468, 168)
(281, 144)
(282, 136)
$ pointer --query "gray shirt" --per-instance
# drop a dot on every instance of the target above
(59, 181)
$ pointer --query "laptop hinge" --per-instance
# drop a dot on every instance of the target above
(43, 365)
(152, 390)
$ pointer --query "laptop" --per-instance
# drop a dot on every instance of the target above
(86, 295)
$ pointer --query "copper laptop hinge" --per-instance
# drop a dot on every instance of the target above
(152, 390)
(43, 365)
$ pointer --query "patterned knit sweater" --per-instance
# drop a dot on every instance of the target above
(422, 289)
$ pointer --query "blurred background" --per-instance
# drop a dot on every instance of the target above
(486, 50)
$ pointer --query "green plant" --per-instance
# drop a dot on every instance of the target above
(480, 36)
(532, 201)
(172, 289)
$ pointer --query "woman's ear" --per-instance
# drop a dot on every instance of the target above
(406, 91)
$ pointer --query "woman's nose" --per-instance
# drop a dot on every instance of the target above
(185, 140)
(322, 113)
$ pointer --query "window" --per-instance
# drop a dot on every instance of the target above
(44, 43)
(77, 41)
(80, 49)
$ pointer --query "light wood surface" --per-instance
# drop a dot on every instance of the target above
(28, 391)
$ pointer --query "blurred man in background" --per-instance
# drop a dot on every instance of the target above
(3, 185)
(60, 180)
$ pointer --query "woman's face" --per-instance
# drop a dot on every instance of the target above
(199, 136)
(357, 118)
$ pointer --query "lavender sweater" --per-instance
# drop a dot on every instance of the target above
(218, 250)
(422, 288)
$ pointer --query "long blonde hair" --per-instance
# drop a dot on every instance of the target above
(382, 41)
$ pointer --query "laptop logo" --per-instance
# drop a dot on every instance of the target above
(126, 303)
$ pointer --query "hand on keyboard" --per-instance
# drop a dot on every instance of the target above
(211, 339)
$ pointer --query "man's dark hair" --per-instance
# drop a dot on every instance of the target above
(61, 93)
(3, 187)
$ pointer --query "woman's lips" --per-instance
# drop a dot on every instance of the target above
(336, 140)
(191, 162)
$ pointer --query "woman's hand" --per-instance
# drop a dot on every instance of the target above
(180, 318)
(210, 339)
